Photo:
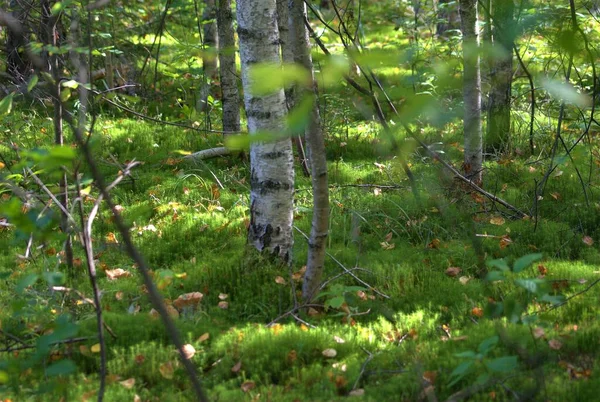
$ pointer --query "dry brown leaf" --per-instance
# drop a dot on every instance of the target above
(223, 296)
(136, 398)
(279, 280)
(435, 243)
(312, 312)
(203, 337)
(119, 295)
(188, 351)
(116, 273)
(453, 271)
(329, 353)
(173, 313)
(477, 311)
(248, 386)
(361, 295)
(111, 238)
(505, 241)
(129, 383)
(223, 305)
(387, 246)
(388, 237)
(588, 241)
(430, 376)
(497, 220)
(140, 359)
(237, 367)
(188, 299)
(292, 356)
(167, 370)
(542, 270)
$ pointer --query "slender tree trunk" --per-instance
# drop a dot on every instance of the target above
(473, 163)
(230, 96)
(501, 72)
(52, 36)
(447, 17)
(16, 65)
(288, 55)
(271, 164)
(209, 60)
(316, 146)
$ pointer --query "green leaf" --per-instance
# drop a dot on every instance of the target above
(54, 278)
(57, 7)
(502, 364)
(482, 379)
(70, 84)
(469, 354)
(498, 264)
(495, 276)
(268, 78)
(65, 94)
(6, 104)
(32, 82)
(526, 261)
(26, 282)
(336, 302)
(62, 367)
(530, 285)
(488, 344)
(552, 299)
(460, 371)
(566, 92)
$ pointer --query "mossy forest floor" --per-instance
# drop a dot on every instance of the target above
(189, 222)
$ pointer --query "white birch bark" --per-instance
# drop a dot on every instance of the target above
(316, 145)
(272, 170)
(473, 162)
(230, 96)
(209, 60)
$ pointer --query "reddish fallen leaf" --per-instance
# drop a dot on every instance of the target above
(453, 271)
(140, 359)
(435, 243)
(430, 376)
(538, 332)
(588, 241)
(477, 311)
(188, 299)
(505, 241)
(223, 305)
(248, 386)
(292, 356)
(236, 367)
(203, 337)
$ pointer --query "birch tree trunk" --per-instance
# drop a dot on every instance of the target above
(230, 96)
(316, 146)
(501, 72)
(271, 164)
(471, 92)
(209, 60)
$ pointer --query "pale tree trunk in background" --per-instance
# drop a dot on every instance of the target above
(287, 54)
(209, 59)
(271, 164)
(316, 146)
(471, 92)
(230, 96)
(501, 72)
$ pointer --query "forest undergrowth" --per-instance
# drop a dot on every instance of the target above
(425, 301)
